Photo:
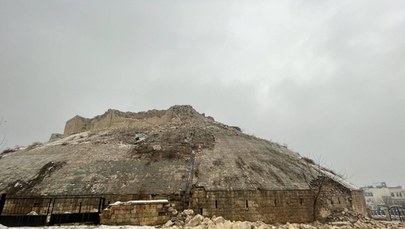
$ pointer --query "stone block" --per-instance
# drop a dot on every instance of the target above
(195, 221)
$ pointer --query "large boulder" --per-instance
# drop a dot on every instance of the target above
(195, 221)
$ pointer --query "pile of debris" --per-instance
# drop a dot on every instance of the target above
(346, 220)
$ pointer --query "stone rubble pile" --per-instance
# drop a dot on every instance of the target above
(188, 220)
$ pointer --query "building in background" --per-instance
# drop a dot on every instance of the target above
(379, 198)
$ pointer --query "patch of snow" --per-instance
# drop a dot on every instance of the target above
(340, 180)
(140, 202)
(335, 177)
(140, 137)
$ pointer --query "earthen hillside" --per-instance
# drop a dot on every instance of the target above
(168, 151)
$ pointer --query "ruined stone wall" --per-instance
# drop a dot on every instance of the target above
(332, 198)
(358, 202)
(136, 213)
(267, 206)
(335, 198)
(115, 119)
(76, 125)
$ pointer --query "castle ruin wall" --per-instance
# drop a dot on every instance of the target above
(136, 213)
(114, 119)
(273, 206)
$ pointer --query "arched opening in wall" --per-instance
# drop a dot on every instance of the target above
(246, 204)
(301, 201)
(201, 211)
(275, 203)
(216, 203)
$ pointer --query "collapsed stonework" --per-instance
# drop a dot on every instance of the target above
(182, 156)
(344, 220)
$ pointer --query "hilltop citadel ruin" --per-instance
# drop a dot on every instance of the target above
(182, 156)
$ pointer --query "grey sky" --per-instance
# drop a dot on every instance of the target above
(324, 77)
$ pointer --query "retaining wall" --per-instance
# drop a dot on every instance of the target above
(136, 213)
(272, 206)
(266, 206)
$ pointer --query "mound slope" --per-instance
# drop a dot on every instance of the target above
(167, 151)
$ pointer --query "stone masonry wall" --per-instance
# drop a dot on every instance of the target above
(267, 206)
(275, 206)
(76, 125)
(336, 198)
(333, 198)
(136, 213)
(358, 202)
(114, 119)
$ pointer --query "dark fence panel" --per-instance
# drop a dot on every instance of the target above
(23, 220)
(76, 204)
(23, 206)
(40, 211)
(93, 218)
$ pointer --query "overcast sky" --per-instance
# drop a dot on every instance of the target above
(324, 77)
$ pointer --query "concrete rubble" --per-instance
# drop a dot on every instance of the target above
(188, 220)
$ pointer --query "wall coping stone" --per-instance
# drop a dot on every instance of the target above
(132, 202)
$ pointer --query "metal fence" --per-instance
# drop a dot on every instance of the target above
(394, 212)
(38, 211)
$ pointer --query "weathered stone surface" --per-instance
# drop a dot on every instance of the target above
(263, 226)
(228, 224)
(207, 223)
(137, 213)
(340, 224)
(188, 212)
(196, 227)
(241, 225)
(218, 220)
(195, 221)
(179, 223)
(55, 136)
(169, 223)
(219, 226)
